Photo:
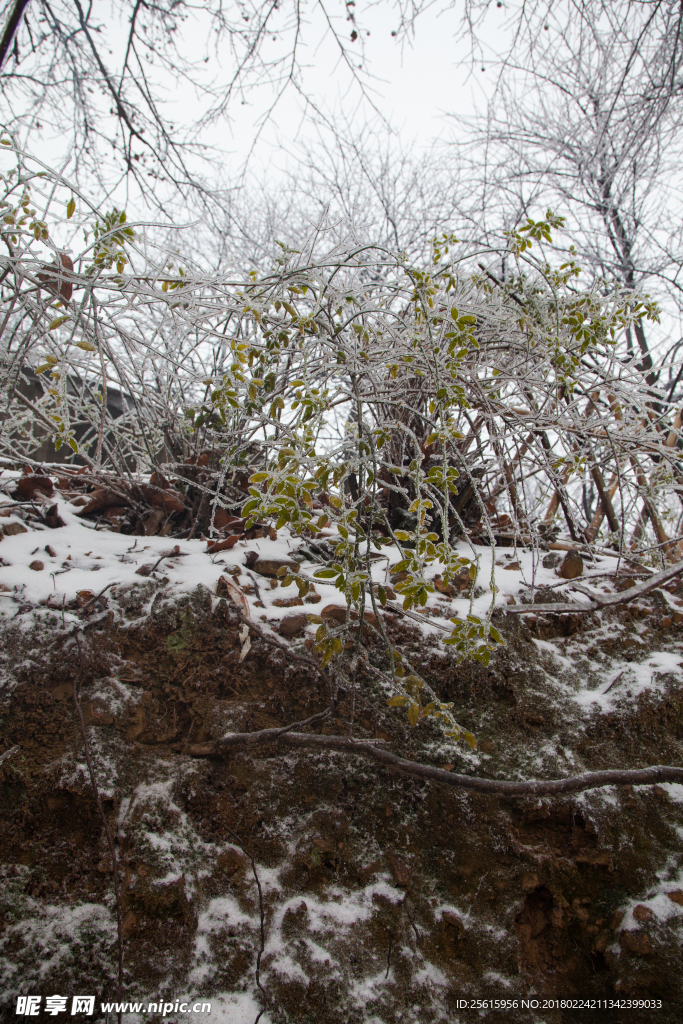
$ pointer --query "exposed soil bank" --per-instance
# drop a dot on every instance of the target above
(385, 899)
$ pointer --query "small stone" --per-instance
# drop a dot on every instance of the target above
(448, 917)
(515, 566)
(313, 599)
(84, 597)
(572, 565)
(12, 529)
(637, 942)
(292, 624)
(552, 560)
(400, 870)
(231, 862)
(270, 566)
(444, 588)
(130, 923)
(676, 896)
(37, 565)
(50, 551)
(642, 913)
(334, 612)
(287, 602)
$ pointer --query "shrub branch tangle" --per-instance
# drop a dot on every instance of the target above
(437, 407)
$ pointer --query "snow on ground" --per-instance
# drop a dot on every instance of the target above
(51, 567)
(81, 550)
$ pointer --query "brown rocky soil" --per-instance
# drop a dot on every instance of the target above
(385, 899)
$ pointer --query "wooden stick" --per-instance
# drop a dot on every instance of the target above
(592, 531)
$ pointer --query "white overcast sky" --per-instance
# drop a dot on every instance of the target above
(413, 84)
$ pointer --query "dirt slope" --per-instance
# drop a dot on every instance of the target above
(384, 899)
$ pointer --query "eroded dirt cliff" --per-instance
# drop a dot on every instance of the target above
(384, 899)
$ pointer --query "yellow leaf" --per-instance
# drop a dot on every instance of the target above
(71, 206)
(413, 714)
(86, 346)
(57, 323)
(470, 740)
(397, 702)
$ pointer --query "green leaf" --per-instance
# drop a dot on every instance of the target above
(57, 323)
(327, 656)
(86, 346)
(325, 574)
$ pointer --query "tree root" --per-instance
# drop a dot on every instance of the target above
(499, 787)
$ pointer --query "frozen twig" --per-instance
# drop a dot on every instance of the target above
(600, 601)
